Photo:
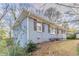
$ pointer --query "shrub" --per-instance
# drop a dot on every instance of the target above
(72, 36)
(31, 47)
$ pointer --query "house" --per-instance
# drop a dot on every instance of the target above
(35, 28)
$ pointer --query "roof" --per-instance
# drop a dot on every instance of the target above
(26, 13)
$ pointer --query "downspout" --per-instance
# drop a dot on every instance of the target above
(28, 29)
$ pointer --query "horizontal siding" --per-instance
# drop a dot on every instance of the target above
(20, 33)
(38, 37)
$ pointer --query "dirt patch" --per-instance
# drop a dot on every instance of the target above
(57, 48)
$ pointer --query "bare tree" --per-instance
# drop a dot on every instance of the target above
(52, 14)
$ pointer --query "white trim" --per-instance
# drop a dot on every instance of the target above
(28, 30)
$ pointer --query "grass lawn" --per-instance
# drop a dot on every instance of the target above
(58, 48)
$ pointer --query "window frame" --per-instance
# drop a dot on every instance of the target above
(51, 30)
(38, 24)
(41, 25)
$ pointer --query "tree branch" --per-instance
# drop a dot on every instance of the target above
(67, 5)
(5, 12)
(14, 15)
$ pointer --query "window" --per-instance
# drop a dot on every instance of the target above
(60, 31)
(52, 31)
(48, 29)
(63, 31)
(56, 31)
(35, 22)
(39, 27)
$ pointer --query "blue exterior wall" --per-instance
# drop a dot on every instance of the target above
(20, 33)
(38, 37)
